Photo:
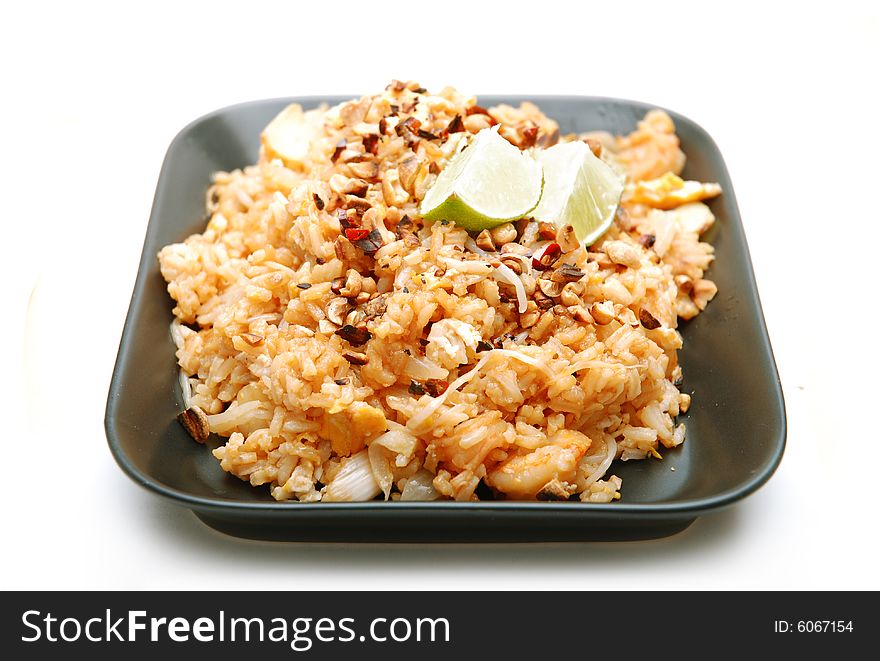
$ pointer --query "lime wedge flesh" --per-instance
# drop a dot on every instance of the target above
(489, 183)
(580, 190)
(290, 135)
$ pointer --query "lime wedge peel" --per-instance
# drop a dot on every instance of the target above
(580, 190)
(489, 183)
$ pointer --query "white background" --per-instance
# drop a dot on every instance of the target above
(92, 95)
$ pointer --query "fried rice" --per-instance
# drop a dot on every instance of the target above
(347, 349)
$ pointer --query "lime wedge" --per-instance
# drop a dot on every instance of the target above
(489, 183)
(579, 190)
(290, 135)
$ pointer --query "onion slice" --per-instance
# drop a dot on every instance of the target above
(420, 487)
(382, 449)
(508, 277)
(185, 389)
(526, 261)
(471, 245)
(353, 482)
(421, 368)
(176, 329)
(605, 464)
(523, 358)
(233, 416)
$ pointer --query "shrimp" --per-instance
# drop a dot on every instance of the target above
(523, 476)
(652, 150)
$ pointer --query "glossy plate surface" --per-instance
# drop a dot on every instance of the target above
(735, 426)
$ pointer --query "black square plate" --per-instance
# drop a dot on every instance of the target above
(735, 426)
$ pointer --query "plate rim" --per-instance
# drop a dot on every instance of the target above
(677, 508)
